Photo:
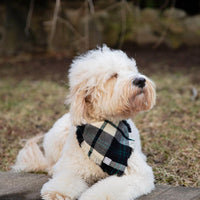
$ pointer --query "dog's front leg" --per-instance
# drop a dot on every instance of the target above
(137, 181)
(64, 185)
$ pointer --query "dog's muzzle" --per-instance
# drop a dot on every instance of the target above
(139, 82)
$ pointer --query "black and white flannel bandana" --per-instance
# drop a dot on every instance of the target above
(107, 144)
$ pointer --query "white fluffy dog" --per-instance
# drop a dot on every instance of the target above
(105, 85)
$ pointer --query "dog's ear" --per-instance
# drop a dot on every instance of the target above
(78, 107)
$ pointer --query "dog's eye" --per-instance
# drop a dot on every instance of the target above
(114, 75)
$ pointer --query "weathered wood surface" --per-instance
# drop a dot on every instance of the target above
(21, 186)
(26, 186)
(165, 192)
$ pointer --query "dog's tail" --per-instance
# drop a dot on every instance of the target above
(31, 158)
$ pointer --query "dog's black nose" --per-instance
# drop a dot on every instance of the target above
(140, 82)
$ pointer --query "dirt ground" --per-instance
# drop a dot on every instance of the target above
(33, 89)
(55, 67)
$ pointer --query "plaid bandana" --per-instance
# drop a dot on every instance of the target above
(107, 144)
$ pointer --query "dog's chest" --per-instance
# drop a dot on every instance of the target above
(106, 144)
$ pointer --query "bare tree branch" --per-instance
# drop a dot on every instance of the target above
(165, 31)
(91, 6)
(113, 6)
(123, 22)
(29, 17)
(70, 26)
(86, 28)
(54, 21)
(88, 6)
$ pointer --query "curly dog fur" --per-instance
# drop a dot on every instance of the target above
(104, 85)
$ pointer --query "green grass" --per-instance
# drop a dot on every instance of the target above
(170, 132)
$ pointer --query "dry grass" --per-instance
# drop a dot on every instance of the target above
(170, 132)
(27, 108)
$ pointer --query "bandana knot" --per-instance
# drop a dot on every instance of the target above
(107, 144)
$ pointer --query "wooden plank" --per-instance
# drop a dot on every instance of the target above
(27, 186)
(21, 186)
(173, 193)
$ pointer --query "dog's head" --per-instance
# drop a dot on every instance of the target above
(106, 84)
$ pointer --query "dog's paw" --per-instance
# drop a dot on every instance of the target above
(89, 195)
(54, 196)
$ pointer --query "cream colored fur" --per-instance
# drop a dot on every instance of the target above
(101, 87)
